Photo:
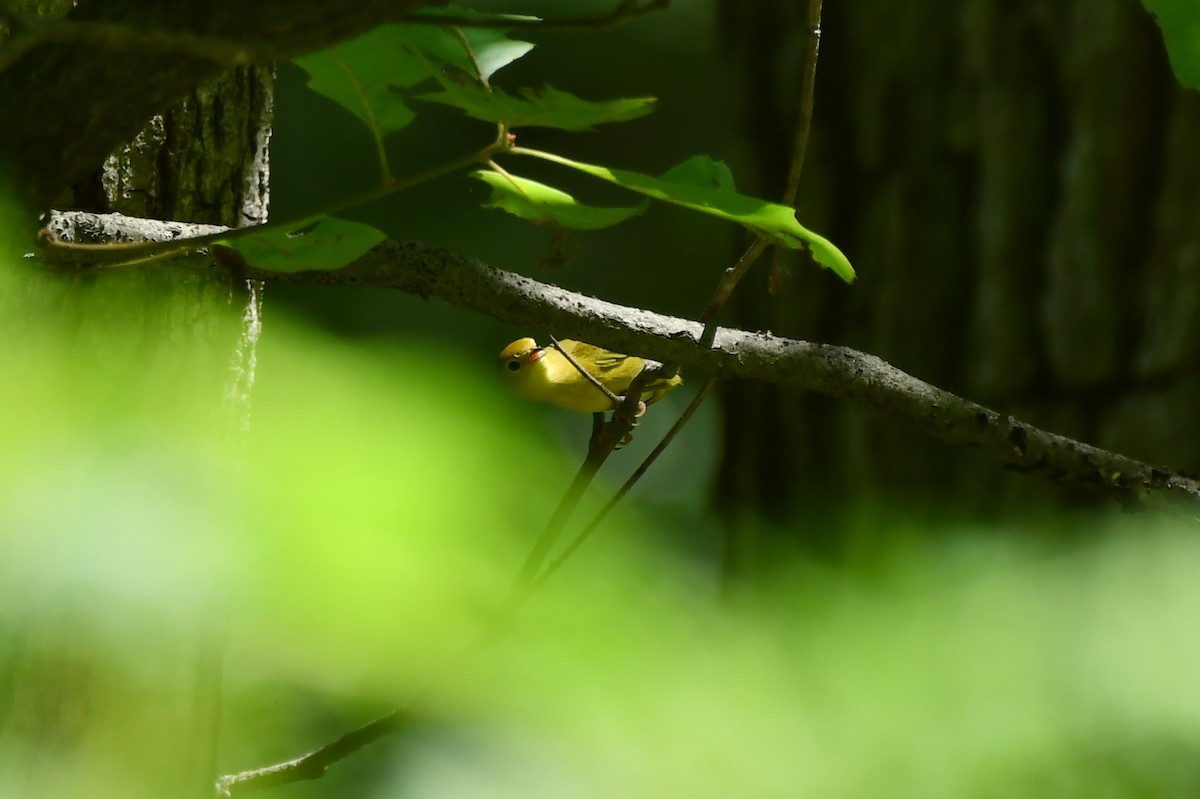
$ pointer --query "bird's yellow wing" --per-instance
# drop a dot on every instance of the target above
(601, 362)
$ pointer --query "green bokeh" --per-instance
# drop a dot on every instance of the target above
(349, 548)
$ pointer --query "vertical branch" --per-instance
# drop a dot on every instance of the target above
(735, 273)
(727, 284)
(808, 82)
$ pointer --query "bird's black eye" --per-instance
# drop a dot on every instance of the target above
(514, 366)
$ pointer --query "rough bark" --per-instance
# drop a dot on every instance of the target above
(74, 90)
(202, 160)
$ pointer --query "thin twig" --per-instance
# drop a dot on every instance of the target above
(314, 764)
(578, 541)
(624, 13)
(599, 448)
(479, 73)
(566, 506)
(728, 282)
(70, 254)
(591, 378)
(808, 82)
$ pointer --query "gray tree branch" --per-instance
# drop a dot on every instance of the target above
(836, 371)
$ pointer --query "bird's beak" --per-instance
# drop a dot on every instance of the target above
(536, 355)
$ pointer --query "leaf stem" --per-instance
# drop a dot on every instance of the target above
(385, 168)
(812, 47)
(65, 253)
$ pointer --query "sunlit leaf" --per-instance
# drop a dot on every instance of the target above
(322, 243)
(705, 185)
(542, 204)
(546, 108)
(490, 48)
(1180, 23)
(492, 51)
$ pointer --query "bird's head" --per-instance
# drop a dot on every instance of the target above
(516, 358)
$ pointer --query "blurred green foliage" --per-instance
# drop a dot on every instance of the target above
(173, 591)
(357, 536)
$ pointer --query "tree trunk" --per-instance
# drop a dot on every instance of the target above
(1015, 183)
(205, 160)
(79, 704)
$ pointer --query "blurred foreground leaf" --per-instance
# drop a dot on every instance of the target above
(168, 586)
(352, 544)
(982, 669)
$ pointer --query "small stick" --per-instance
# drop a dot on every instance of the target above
(575, 544)
(591, 378)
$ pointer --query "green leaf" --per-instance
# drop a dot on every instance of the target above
(493, 51)
(542, 204)
(707, 186)
(323, 242)
(363, 76)
(547, 108)
(701, 171)
(1180, 23)
(490, 48)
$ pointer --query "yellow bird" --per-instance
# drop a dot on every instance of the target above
(544, 375)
